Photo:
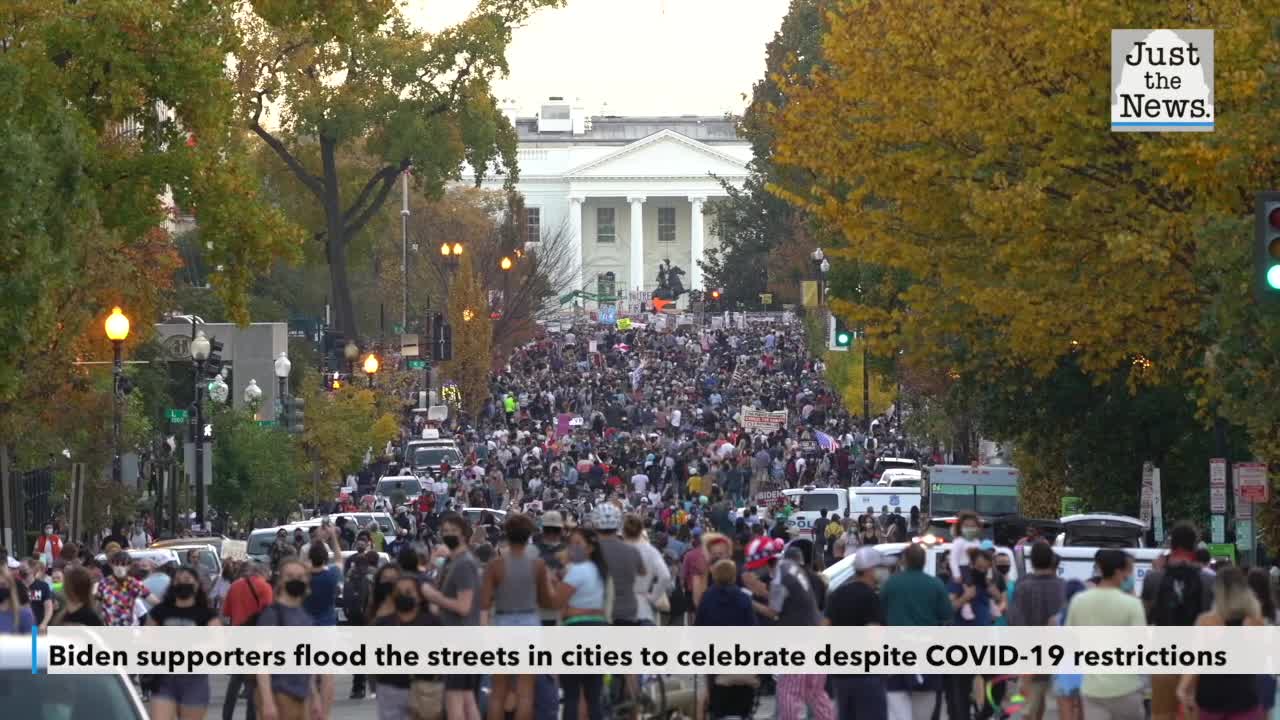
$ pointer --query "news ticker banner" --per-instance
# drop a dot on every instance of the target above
(651, 650)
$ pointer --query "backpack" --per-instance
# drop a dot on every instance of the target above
(355, 594)
(1180, 597)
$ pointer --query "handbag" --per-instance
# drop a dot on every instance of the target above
(426, 699)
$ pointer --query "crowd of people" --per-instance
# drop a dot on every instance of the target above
(618, 482)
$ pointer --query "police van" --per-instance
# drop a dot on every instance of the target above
(809, 502)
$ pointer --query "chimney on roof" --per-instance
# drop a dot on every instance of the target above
(510, 110)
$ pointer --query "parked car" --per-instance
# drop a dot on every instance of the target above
(106, 696)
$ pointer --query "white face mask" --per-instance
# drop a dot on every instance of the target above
(119, 570)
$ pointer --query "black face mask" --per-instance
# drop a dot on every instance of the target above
(184, 591)
(4, 595)
(406, 603)
(296, 588)
(451, 541)
(383, 589)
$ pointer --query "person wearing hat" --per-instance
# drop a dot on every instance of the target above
(857, 604)
(550, 547)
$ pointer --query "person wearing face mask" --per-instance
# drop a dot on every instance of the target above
(15, 617)
(356, 591)
(139, 538)
(1111, 603)
(118, 594)
(184, 605)
(48, 546)
(969, 527)
(456, 597)
(515, 585)
(794, 601)
(291, 697)
(407, 608)
(857, 604)
(248, 595)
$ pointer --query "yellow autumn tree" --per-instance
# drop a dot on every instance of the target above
(981, 161)
(472, 336)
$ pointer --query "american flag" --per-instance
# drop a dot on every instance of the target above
(825, 441)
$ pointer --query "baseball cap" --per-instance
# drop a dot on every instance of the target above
(552, 519)
(867, 558)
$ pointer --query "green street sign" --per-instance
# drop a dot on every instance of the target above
(267, 423)
(1225, 551)
(398, 329)
(1072, 505)
(417, 364)
(176, 414)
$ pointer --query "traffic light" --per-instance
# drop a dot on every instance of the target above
(335, 382)
(1266, 251)
(715, 294)
(293, 414)
(840, 337)
(213, 365)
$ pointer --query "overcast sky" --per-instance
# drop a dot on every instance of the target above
(642, 57)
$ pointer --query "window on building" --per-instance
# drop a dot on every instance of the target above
(666, 224)
(533, 224)
(606, 230)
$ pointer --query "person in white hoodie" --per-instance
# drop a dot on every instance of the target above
(652, 588)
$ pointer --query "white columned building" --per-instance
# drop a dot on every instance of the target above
(628, 192)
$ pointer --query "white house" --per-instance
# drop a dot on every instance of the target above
(630, 191)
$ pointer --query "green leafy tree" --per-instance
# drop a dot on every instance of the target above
(256, 469)
(341, 426)
(321, 84)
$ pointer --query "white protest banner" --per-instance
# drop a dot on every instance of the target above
(754, 420)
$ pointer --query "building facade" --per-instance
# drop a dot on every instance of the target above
(626, 192)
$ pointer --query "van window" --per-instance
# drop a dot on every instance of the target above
(814, 502)
(997, 500)
(433, 456)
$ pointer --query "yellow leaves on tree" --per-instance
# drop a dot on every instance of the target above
(472, 336)
(980, 161)
(341, 426)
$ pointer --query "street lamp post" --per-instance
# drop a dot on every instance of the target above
(820, 266)
(351, 351)
(506, 266)
(370, 367)
(252, 395)
(199, 353)
(117, 327)
(282, 368)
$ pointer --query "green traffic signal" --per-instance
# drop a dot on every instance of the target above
(843, 338)
(1273, 277)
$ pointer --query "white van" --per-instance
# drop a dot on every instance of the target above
(875, 499)
(1102, 530)
(809, 503)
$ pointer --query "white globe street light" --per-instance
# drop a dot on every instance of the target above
(200, 347)
(252, 393)
(283, 366)
(218, 390)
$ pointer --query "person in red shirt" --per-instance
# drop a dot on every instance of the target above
(247, 596)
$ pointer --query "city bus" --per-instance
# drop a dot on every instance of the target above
(989, 490)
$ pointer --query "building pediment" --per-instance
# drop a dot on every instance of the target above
(666, 154)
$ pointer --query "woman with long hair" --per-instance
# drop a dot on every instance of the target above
(15, 617)
(77, 599)
(514, 587)
(185, 604)
(581, 599)
(1226, 697)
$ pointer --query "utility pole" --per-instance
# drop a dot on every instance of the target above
(404, 252)
(866, 382)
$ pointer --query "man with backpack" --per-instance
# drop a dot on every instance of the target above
(356, 589)
(1175, 596)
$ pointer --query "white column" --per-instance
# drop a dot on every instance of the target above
(636, 279)
(697, 242)
(575, 236)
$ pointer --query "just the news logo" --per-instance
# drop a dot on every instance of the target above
(1162, 81)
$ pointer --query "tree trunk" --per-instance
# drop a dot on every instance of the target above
(344, 317)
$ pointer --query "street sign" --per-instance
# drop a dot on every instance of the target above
(176, 414)
(1148, 481)
(1157, 506)
(1244, 534)
(417, 364)
(1218, 531)
(1072, 505)
(608, 314)
(267, 423)
(1217, 472)
(1222, 551)
(1217, 500)
(1251, 482)
(409, 346)
(1244, 509)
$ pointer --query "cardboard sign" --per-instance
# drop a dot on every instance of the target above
(754, 420)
